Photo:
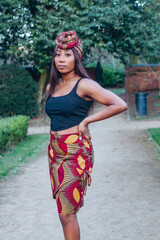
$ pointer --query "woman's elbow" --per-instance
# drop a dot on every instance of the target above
(123, 107)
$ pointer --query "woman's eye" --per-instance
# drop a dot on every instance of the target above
(67, 54)
(57, 54)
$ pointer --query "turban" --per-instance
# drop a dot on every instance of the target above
(67, 40)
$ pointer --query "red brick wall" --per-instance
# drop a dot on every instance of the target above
(141, 78)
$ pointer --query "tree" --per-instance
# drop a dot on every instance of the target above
(123, 27)
(13, 29)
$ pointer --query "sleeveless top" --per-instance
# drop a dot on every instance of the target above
(67, 111)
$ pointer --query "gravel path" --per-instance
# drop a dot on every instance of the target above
(123, 201)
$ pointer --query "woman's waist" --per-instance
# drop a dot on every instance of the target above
(67, 131)
(67, 137)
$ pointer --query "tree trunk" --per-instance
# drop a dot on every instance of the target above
(42, 81)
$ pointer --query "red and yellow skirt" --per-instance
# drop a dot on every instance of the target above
(70, 166)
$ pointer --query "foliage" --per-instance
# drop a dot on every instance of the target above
(14, 30)
(122, 27)
(12, 130)
(18, 92)
(112, 77)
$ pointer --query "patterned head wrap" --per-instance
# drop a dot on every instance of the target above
(67, 40)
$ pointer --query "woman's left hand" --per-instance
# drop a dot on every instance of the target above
(84, 131)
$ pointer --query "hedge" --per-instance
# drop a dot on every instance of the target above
(12, 130)
(18, 92)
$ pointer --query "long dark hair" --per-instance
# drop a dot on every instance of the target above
(55, 75)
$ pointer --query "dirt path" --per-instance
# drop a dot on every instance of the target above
(123, 201)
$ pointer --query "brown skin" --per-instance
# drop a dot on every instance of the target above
(70, 226)
(87, 89)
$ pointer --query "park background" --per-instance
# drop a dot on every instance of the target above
(121, 46)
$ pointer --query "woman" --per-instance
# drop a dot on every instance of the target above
(70, 95)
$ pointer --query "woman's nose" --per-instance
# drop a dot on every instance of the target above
(61, 59)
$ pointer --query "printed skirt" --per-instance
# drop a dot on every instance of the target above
(70, 166)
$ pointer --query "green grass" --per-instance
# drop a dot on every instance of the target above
(155, 133)
(157, 105)
(140, 118)
(117, 90)
(22, 152)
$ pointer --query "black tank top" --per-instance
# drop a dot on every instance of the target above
(67, 111)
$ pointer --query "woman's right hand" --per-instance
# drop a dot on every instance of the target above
(84, 131)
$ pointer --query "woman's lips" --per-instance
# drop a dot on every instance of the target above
(61, 66)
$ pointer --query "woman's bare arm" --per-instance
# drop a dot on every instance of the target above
(114, 104)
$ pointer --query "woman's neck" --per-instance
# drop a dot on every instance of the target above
(69, 76)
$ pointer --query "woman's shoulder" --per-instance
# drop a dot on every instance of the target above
(89, 86)
(87, 82)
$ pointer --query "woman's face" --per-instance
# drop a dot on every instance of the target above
(64, 60)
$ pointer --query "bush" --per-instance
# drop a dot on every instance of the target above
(12, 130)
(18, 92)
(112, 77)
